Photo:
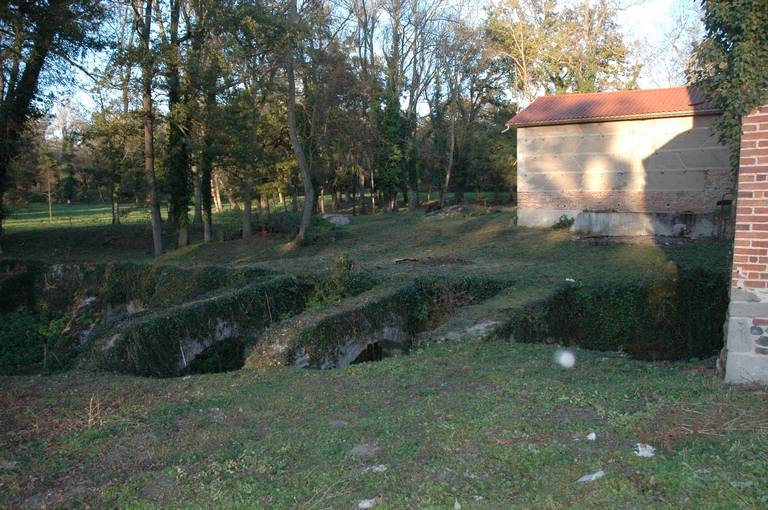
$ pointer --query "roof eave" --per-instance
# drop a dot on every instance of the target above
(592, 120)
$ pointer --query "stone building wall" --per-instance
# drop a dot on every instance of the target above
(747, 324)
(658, 165)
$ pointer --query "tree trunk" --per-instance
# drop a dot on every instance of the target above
(216, 189)
(231, 199)
(206, 192)
(263, 205)
(450, 161)
(149, 132)
(373, 195)
(198, 196)
(298, 149)
(115, 203)
(248, 202)
(361, 190)
(177, 160)
(321, 200)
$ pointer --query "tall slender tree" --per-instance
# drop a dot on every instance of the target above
(143, 12)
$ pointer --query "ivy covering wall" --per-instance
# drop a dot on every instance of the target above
(672, 319)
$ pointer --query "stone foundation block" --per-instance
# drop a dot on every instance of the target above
(745, 368)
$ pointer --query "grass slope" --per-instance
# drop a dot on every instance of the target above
(492, 425)
(457, 421)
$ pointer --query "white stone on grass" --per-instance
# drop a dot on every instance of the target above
(592, 476)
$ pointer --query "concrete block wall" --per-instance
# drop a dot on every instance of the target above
(661, 165)
(747, 323)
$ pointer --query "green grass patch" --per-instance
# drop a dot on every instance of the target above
(455, 421)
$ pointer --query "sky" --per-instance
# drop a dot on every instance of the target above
(647, 22)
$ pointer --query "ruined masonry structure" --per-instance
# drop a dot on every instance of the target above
(747, 324)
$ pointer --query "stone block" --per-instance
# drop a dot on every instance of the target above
(550, 163)
(703, 159)
(739, 337)
(751, 310)
(599, 144)
(663, 161)
(559, 145)
(542, 217)
(738, 294)
(672, 180)
(746, 368)
(550, 181)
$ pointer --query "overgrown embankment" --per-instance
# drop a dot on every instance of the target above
(337, 334)
(59, 287)
(165, 341)
(48, 309)
(674, 318)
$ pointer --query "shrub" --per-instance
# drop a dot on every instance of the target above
(28, 341)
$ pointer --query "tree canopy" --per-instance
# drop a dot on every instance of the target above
(263, 100)
(733, 62)
(36, 35)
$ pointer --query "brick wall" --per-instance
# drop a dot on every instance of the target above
(747, 326)
(628, 201)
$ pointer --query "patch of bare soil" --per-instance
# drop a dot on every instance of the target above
(644, 240)
(433, 262)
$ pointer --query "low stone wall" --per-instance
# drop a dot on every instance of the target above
(656, 224)
(161, 343)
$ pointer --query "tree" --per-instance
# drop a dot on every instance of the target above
(733, 63)
(178, 129)
(143, 24)
(558, 48)
(670, 61)
(115, 138)
(298, 148)
(34, 36)
(475, 75)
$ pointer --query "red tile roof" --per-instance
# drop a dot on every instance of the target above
(606, 106)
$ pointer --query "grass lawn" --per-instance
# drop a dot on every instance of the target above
(485, 424)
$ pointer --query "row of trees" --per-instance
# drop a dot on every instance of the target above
(279, 97)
